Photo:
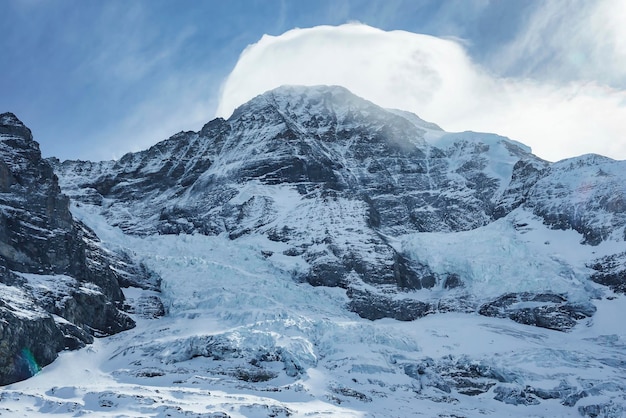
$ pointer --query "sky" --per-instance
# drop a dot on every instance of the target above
(94, 80)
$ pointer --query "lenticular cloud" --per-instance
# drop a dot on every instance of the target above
(393, 69)
(436, 79)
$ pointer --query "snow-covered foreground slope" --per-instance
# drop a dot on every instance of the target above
(242, 338)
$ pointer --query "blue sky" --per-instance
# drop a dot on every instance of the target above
(96, 79)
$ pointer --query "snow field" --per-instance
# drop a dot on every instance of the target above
(242, 338)
(514, 254)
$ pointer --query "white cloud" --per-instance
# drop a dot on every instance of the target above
(436, 79)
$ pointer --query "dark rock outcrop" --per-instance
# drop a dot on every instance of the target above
(611, 271)
(542, 310)
(465, 376)
(374, 306)
(515, 396)
(30, 337)
(59, 287)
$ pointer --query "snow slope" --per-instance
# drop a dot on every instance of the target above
(242, 339)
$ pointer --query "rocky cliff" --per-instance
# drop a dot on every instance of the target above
(58, 286)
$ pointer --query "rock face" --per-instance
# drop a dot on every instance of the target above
(611, 271)
(542, 310)
(58, 286)
(332, 180)
(586, 194)
(322, 143)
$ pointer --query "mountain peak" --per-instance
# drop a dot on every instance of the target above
(309, 98)
(10, 125)
(294, 89)
(311, 92)
(9, 119)
(331, 112)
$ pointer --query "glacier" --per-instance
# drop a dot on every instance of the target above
(243, 339)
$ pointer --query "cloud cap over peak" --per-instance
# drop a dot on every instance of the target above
(370, 62)
(436, 79)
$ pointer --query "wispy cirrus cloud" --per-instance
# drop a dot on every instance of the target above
(569, 40)
(126, 46)
(106, 78)
(439, 81)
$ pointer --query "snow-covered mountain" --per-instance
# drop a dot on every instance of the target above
(321, 255)
(331, 182)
